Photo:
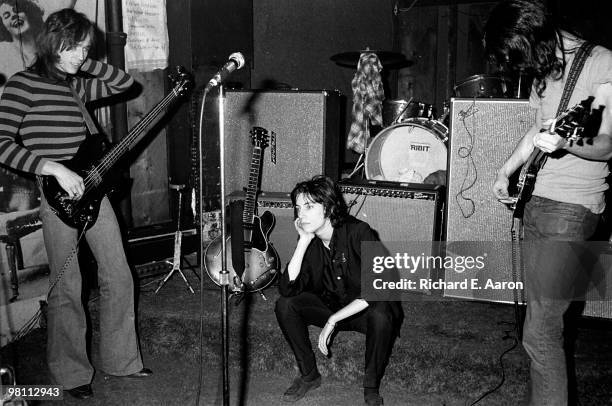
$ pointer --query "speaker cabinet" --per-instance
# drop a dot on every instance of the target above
(483, 134)
(304, 129)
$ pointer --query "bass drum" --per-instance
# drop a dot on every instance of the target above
(407, 152)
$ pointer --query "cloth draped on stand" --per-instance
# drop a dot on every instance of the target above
(368, 95)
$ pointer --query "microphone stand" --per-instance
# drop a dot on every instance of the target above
(237, 62)
(224, 274)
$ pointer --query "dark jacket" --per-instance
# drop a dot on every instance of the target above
(342, 283)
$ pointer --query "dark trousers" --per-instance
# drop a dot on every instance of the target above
(296, 313)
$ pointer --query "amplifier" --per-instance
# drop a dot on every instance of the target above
(397, 211)
(407, 216)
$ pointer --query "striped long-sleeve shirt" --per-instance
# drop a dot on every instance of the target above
(47, 118)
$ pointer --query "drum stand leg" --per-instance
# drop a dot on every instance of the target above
(178, 237)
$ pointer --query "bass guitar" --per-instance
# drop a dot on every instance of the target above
(95, 161)
(571, 125)
(261, 261)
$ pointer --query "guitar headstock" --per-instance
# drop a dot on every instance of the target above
(573, 124)
(259, 137)
(182, 81)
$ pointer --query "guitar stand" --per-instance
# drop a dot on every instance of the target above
(178, 237)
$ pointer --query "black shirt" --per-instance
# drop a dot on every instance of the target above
(334, 274)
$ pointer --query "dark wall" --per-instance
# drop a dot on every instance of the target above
(589, 18)
(293, 41)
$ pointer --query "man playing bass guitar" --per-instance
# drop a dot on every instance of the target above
(41, 123)
(568, 197)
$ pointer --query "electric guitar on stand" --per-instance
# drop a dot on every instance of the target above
(261, 261)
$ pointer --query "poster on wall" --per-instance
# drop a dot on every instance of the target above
(22, 20)
(144, 22)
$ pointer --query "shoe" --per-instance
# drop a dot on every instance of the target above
(299, 387)
(81, 392)
(143, 373)
(373, 399)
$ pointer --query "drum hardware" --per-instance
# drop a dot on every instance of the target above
(387, 59)
(445, 117)
(400, 110)
(483, 86)
(523, 85)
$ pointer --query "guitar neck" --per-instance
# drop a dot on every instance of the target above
(535, 159)
(135, 134)
(250, 201)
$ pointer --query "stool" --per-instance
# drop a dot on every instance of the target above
(19, 225)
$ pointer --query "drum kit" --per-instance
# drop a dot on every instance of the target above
(412, 146)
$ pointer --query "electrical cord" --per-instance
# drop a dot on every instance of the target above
(201, 252)
(508, 335)
(465, 152)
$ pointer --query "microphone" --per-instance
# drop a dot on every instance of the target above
(236, 61)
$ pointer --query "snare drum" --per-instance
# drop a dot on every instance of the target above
(484, 86)
(398, 111)
(407, 152)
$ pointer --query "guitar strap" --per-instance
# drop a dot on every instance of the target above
(581, 56)
(91, 126)
(236, 208)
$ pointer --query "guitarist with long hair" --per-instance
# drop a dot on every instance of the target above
(41, 123)
(568, 195)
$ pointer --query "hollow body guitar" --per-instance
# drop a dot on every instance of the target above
(261, 261)
(95, 161)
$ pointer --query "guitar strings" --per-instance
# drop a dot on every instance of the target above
(120, 148)
(109, 160)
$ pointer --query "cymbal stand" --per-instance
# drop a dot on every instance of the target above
(178, 238)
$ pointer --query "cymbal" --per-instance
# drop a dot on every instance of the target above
(387, 58)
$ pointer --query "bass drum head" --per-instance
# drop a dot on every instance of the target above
(407, 152)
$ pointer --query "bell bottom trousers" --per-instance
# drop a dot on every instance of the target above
(119, 351)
